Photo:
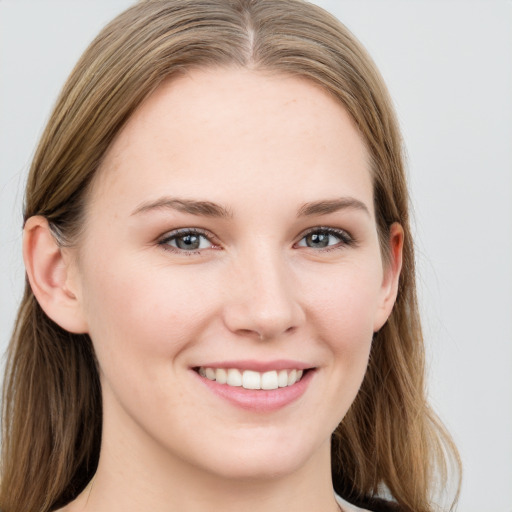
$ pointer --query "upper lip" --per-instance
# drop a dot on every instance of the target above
(258, 366)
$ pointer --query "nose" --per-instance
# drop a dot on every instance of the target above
(262, 299)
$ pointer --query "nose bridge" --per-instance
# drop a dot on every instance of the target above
(264, 301)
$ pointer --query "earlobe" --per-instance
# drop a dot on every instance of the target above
(391, 275)
(49, 273)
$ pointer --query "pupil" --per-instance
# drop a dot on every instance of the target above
(188, 242)
(318, 240)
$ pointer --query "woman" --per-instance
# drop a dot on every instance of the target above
(220, 309)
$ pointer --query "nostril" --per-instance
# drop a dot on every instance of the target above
(263, 312)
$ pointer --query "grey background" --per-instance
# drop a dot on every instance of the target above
(448, 65)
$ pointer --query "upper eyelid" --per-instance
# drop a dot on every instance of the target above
(174, 233)
(163, 240)
(345, 239)
(328, 229)
(185, 231)
(325, 228)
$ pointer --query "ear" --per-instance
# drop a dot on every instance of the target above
(50, 271)
(392, 269)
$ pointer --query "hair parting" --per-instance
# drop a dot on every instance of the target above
(390, 445)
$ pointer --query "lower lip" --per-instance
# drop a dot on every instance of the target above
(259, 400)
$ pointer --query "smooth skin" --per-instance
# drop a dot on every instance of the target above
(285, 264)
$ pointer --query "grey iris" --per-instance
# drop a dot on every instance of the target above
(188, 242)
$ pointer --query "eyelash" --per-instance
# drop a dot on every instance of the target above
(345, 239)
(180, 233)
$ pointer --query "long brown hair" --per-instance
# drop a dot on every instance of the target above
(390, 444)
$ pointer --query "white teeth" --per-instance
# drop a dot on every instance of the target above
(269, 380)
(234, 378)
(221, 375)
(292, 377)
(210, 373)
(282, 379)
(249, 379)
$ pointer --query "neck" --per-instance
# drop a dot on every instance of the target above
(135, 475)
(188, 489)
(137, 472)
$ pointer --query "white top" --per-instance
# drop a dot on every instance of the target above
(347, 507)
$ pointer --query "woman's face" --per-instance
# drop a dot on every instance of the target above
(231, 235)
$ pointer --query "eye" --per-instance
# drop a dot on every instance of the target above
(186, 240)
(325, 238)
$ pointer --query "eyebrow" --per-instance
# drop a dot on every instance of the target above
(331, 205)
(202, 208)
(209, 209)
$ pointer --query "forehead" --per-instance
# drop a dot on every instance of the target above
(241, 129)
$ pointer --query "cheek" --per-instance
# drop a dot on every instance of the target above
(345, 305)
(342, 312)
(138, 312)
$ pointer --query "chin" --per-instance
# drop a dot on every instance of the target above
(262, 469)
(263, 459)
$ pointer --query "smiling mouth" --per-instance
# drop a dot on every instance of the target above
(250, 379)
